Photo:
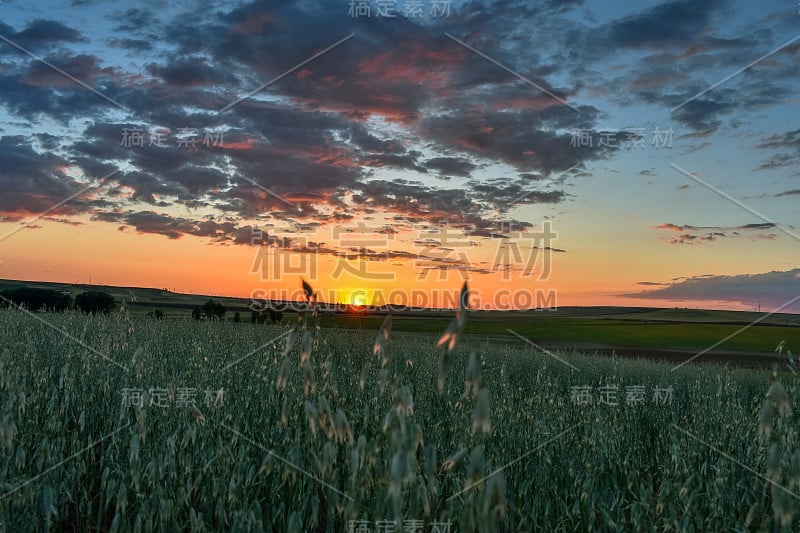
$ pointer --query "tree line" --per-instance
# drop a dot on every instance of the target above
(34, 300)
(212, 310)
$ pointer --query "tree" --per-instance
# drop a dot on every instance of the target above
(34, 299)
(159, 314)
(237, 317)
(212, 309)
(274, 316)
(94, 302)
(253, 317)
(197, 313)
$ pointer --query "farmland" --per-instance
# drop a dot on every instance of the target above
(659, 334)
(122, 423)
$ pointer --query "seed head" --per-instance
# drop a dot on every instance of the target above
(308, 342)
(778, 395)
(451, 461)
(291, 339)
(198, 416)
(473, 377)
(285, 413)
(283, 375)
(481, 418)
(311, 416)
(343, 432)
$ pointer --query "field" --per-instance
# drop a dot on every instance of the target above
(122, 423)
(673, 335)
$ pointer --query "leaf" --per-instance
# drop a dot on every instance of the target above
(291, 338)
(387, 326)
(464, 298)
(451, 461)
(308, 290)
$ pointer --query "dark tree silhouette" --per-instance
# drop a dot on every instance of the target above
(237, 317)
(275, 316)
(212, 309)
(35, 299)
(94, 302)
(197, 313)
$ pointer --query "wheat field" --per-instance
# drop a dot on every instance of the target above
(109, 423)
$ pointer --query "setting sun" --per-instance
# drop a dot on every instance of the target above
(359, 297)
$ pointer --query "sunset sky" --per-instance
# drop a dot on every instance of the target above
(552, 152)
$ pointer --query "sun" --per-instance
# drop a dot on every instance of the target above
(359, 297)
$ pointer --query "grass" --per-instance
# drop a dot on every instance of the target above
(678, 335)
(358, 432)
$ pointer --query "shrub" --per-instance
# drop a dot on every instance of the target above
(94, 302)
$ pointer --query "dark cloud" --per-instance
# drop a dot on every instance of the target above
(32, 182)
(526, 139)
(790, 139)
(31, 89)
(133, 45)
(687, 234)
(789, 155)
(169, 226)
(770, 289)
(191, 71)
(41, 33)
(703, 114)
(367, 142)
(667, 24)
(134, 20)
(451, 166)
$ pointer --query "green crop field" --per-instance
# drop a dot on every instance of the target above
(119, 423)
(607, 331)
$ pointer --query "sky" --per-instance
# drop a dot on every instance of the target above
(547, 153)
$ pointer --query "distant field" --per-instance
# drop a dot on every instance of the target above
(601, 327)
(608, 332)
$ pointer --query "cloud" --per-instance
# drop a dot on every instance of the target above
(770, 289)
(190, 71)
(698, 234)
(41, 33)
(350, 133)
(667, 24)
(451, 166)
(33, 182)
(169, 226)
(788, 155)
(134, 20)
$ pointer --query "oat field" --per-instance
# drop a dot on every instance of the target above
(109, 423)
